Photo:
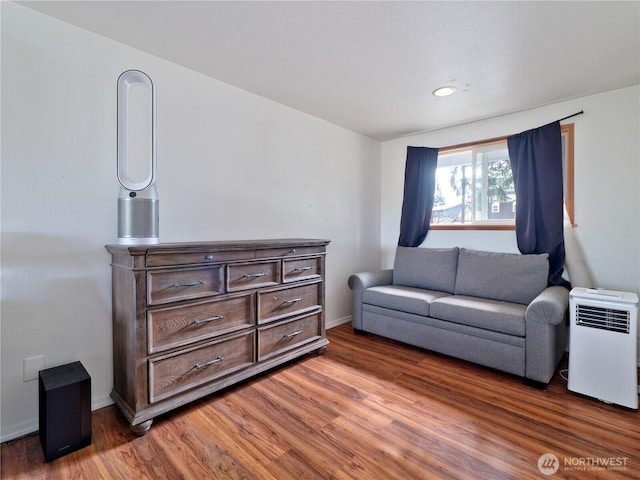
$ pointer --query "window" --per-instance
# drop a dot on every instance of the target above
(474, 185)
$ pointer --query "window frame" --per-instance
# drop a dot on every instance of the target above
(567, 170)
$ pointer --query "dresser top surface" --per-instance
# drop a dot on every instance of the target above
(216, 245)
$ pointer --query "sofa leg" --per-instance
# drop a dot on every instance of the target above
(536, 384)
(357, 331)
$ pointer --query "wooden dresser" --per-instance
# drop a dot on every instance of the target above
(192, 318)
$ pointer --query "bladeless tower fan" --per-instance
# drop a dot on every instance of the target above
(603, 345)
(138, 204)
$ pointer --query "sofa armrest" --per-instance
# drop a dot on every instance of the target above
(359, 282)
(363, 280)
(546, 333)
(549, 307)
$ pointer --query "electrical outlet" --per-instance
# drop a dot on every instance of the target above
(31, 366)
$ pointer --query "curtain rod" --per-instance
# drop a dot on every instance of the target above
(573, 115)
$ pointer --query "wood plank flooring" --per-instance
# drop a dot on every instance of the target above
(369, 408)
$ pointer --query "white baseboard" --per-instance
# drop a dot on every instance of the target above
(32, 426)
(102, 402)
(337, 322)
(18, 431)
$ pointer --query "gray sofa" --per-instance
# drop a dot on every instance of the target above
(493, 309)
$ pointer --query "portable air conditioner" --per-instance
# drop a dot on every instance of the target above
(603, 345)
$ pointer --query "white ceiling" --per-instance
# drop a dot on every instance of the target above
(371, 66)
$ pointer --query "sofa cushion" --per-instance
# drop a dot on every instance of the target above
(428, 268)
(404, 299)
(503, 317)
(501, 276)
(394, 319)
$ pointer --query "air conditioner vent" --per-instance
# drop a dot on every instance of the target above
(603, 318)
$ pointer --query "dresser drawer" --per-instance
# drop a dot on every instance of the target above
(172, 374)
(244, 276)
(285, 302)
(289, 251)
(171, 285)
(301, 269)
(173, 327)
(190, 258)
(273, 340)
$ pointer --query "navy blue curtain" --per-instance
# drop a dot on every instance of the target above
(419, 189)
(536, 162)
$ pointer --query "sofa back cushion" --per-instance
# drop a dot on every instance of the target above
(501, 276)
(428, 268)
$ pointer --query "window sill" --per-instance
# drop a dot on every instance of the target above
(472, 227)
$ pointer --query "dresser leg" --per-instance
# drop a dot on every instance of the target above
(142, 428)
(321, 351)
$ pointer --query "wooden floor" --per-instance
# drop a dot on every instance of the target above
(369, 408)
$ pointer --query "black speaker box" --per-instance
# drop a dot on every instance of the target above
(65, 409)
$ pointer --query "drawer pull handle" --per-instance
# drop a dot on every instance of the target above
(189, 284)
(293, 300)
(292, 334)
(207, 320)
(302, 269)
(210, 362)
(209, 257)
(254, 275)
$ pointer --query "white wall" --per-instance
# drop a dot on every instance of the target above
(607, 183)
(231, 165)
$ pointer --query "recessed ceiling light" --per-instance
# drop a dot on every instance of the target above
(444, 91)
